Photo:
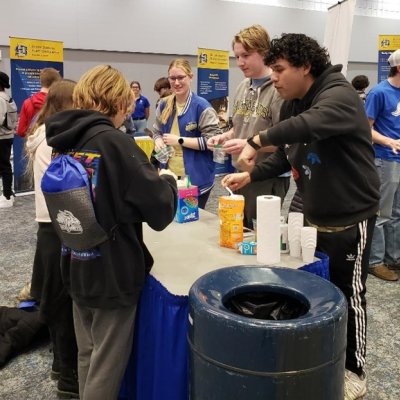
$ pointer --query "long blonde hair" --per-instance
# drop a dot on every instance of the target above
(170, 100)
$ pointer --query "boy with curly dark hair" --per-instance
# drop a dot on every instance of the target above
(325, 138)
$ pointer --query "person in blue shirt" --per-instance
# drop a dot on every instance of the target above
(383, 111)
(142, 109)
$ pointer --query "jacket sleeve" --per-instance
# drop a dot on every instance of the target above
(140, 193)
(153, 196)
(18, 329)
(276, 164)
(3, 110)
(208, 126)
(157, 126)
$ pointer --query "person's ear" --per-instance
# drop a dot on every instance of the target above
(306, 69)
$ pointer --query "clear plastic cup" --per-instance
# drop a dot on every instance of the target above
(164, 154)
(219, 154)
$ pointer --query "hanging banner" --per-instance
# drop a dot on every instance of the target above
(212, 84)
(338, 29)
(27, 58)
(387, 44)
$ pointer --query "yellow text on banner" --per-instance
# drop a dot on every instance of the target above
(213, 59)
(389, 42)
(36, 49)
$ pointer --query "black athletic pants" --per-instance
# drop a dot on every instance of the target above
(348, 253)
(5, 166)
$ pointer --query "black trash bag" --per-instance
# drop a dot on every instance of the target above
(268, 306)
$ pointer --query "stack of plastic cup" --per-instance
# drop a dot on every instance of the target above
(295, 223)
(308, 243)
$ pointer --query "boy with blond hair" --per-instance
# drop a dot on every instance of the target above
(105, 281)
(256, 107)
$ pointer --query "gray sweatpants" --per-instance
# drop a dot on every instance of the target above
(104, 340)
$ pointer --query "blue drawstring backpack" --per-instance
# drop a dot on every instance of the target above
(67, 191)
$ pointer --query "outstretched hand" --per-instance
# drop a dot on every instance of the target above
(394, 144)
(236, 181)
(215, 140)
(234, 146)
(247, 158)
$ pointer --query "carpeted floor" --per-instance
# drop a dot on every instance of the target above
(26, 376)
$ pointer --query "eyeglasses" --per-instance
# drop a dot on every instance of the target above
(179, 78)
(135, 87)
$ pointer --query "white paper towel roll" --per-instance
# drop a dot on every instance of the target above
(268, 229)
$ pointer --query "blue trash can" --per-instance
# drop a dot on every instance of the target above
(267, 333)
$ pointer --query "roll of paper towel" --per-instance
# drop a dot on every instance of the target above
(268, 229)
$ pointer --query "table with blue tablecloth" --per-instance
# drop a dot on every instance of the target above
(158, 366)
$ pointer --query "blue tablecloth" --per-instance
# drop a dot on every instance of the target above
(158, 367)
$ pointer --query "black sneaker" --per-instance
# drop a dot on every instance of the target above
(68, 387)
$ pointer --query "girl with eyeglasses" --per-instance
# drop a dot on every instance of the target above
(186, 121)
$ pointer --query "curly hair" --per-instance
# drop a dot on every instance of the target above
(299, 50)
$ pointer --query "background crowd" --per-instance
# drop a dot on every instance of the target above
(294, 114)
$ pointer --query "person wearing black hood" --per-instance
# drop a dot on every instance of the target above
(325, 138)
(105, 282)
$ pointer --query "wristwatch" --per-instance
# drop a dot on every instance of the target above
(181, 141)
(252, 143)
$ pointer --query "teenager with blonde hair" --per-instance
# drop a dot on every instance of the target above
(186, 121)
(256, 107)
(105, 282)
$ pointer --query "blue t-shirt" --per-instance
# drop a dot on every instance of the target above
(141, 104)
(383, 106)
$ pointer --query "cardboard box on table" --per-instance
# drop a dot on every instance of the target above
(188, 204)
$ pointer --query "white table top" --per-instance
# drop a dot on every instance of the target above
(184, 252)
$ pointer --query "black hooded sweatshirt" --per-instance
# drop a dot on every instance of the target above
(127, 192)
(325, 138)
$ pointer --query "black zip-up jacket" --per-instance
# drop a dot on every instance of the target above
(128, 191)
(325, 138)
